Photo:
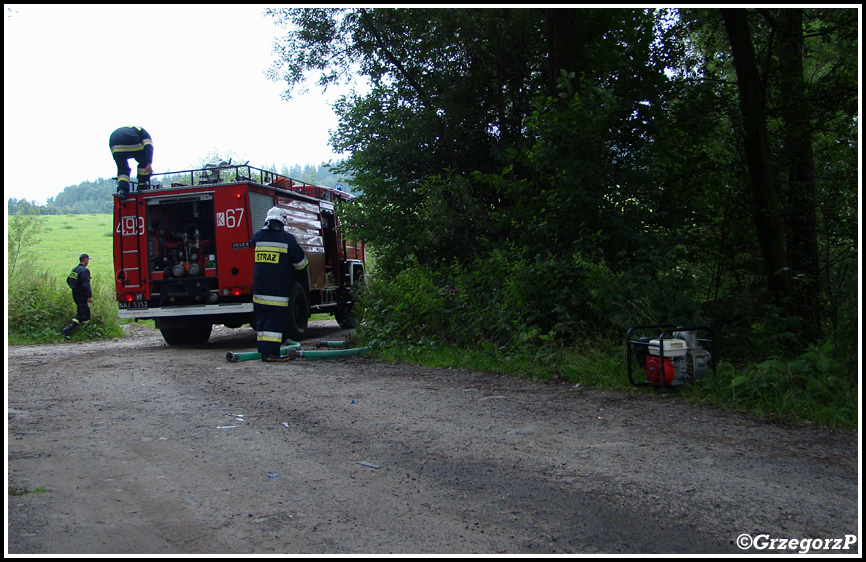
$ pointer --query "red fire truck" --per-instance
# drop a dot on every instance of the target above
(182, 254)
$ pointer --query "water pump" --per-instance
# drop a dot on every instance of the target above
(676, 357)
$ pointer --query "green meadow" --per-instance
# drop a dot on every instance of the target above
(65, 237)
(39, 303)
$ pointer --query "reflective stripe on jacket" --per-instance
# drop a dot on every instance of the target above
(277, 254)
(131, 140)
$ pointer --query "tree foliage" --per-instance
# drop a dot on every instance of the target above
(607, 135)
(796, 69)
(23, 233)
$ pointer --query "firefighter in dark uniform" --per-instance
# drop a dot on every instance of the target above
(82, 294)
(126, 143)
(277, 256)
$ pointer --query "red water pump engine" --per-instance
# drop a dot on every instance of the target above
(676, 357)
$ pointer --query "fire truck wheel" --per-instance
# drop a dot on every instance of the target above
(299, 314)
(173, 336)
(198, 334)
(178, 333)
(344, 317)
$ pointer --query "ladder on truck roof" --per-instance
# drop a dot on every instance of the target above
(223, 173)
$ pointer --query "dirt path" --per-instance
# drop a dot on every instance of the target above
(144, 448)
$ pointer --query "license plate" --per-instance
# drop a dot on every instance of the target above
(133, 304)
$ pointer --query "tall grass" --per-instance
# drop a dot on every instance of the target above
(817, 387)
(480, 323)
(40, 305)
(813, 389)
(39, 301)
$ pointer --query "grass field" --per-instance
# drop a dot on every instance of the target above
(65, 237)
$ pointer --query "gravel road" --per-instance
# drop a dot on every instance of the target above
(133, 447)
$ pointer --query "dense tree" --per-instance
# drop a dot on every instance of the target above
(757, 148)
(609, 137)
(445, 94)
(795, 113)
(786, 107)
(15, 206)
(458, 96)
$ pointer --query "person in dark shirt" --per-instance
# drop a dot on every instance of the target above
(79, 280)
(277, 256)
(126, 143)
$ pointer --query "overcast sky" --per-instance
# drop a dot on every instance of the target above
(193, 76)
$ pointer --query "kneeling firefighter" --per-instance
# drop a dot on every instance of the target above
(277, 257)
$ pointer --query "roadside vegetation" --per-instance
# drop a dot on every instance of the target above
(42, 250)
(15, 489)
(485, 323)
(426, 319)
(537, 181)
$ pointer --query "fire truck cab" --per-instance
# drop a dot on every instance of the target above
(183, 258)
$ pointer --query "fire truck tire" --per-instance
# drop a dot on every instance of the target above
(173, 336)
(299, 313)
(185, 334)
(198, 334)
(344, 317)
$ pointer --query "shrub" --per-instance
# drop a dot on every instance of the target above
(816, 386)
(550, 318)
(407, 308)
(507, 299)
(40, 305)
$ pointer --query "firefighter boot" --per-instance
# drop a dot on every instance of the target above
(122, 187)
(67, 331)
(270, 358)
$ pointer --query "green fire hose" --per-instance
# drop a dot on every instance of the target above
(302, 354)
(320, 343)
(293, 349)
(233, 357)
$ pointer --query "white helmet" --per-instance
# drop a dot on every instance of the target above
(275, 214)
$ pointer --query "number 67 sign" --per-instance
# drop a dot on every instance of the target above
(231, 218)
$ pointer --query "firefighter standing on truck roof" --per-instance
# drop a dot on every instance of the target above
(277, 256)
(126, 143)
